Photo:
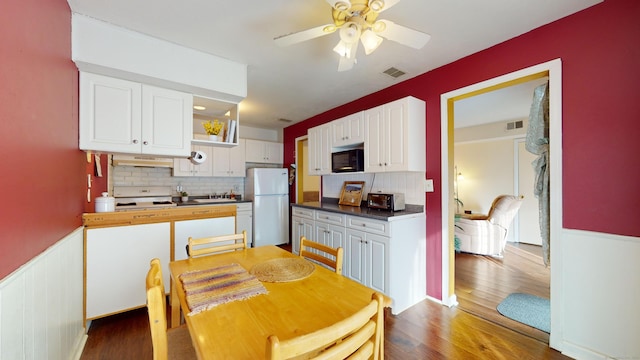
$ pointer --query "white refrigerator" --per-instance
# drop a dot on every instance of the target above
(268, 189)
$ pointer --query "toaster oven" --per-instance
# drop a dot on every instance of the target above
(390, 202)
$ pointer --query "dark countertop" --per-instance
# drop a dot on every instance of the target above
(191, 202)
(331, 205)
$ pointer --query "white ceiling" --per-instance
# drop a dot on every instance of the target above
(300, 81)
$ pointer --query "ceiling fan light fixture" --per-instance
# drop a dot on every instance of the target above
(379, 26)
(341, 48)
(376, 5)
(350, 32)
(344, 50)
(340, 5)
(370, 41)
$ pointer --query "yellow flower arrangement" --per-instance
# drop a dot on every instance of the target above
(212, 128)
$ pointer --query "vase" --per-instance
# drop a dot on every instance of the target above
(184, 198)
(213, 137)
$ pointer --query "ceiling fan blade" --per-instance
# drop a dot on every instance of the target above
(297, 37)
(388, 4)
(404, 35)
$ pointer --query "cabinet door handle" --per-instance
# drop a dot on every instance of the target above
(145, 142)
(135, 141)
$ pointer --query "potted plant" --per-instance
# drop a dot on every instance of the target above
(184, 196)
(212, 129)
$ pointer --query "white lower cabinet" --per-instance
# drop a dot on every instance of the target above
(197, 229)
(387, 256)
(244, 220)
(366, 257)
(329, 230)
(117, 262)
(301, 225)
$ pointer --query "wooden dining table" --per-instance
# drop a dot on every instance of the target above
(239, 329)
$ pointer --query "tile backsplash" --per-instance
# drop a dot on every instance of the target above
(409, 183)
(148, 176)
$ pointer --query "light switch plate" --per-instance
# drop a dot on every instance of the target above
(428, 185)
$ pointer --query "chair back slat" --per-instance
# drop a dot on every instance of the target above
(360, 336)
(338, 253)
(216, 244)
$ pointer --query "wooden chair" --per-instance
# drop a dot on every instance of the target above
(167, 344)
(215, 244)
(360, 336)
(338, 254)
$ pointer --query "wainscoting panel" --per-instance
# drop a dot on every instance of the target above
(41, 305)
(601, 273)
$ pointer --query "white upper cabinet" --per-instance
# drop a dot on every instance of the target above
(266, 152)
(229, 161)
(395, 136)
(348, 130)
(319, 150)
(121, 116)
(184, 167)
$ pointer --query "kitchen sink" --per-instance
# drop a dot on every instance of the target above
(213, 200)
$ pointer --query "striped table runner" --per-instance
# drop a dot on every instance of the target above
(207, 288)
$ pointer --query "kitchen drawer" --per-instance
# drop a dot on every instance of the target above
(331, 218)
(368, 225)
(302, 212)
(247, 206)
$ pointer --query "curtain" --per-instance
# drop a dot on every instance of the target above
(537, 142)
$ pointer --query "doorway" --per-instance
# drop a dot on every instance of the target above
(552, 69)
(307, 186)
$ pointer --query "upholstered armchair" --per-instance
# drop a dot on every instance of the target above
(487, 234)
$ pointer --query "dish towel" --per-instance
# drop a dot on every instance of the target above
(207, 288)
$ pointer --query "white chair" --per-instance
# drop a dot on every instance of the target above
(487, 234)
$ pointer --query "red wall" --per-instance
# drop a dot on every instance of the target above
(600, 53)
(43, 174)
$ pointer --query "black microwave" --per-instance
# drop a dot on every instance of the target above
(347, 161)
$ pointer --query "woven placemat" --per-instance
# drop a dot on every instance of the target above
(282, 270)
(208, 288)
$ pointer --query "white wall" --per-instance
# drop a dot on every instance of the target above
(41, 305)
(487, 168)
(111, 50)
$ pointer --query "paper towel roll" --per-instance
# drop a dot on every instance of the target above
(198, 157)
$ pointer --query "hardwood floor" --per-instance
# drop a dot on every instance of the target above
(482, 282)
(425, 331)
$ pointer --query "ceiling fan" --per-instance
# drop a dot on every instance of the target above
(358, 20)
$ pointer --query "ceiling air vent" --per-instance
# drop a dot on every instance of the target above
(285, 120)
(515, 125)
(394, 73)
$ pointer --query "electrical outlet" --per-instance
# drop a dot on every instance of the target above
(428, 185)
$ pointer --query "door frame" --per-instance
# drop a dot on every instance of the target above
(552, 69)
